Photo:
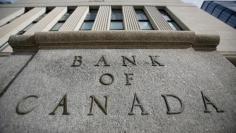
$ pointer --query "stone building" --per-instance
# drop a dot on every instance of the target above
(115, 66)
(223, 10)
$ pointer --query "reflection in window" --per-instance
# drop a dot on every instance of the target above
(169, 20)
(117, 20)
(143, 21)
(62, 20)
(89, 20)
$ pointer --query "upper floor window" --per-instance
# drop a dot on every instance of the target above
(89, 20)
(143, 21)
(62, 20)
(117, 20)
(169, 20)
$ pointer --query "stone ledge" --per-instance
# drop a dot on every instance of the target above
(114, 40)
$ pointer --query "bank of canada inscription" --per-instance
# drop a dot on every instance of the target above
(107, 79)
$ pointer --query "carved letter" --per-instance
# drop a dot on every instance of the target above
(62, 103)
(103, 109)
(206, 101)
(77, 61)
(181, 109)
(102, 59)
(128, 78)
(127, 59)
(21, 112)
(138, 104)
(104, 79)
(154, 62)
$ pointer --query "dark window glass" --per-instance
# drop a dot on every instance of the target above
(211, 7)
(225, 15)
(218, 10)
(141, 15)
(116, 25)
(116, 20)
(87, 26)
(116, 14)
(64, 17)
(143, 21)
(91, 15)
(89, 20)
(232, 21)
(169, 20)
(56, 27)
(205, 4)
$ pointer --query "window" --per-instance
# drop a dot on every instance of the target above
(205, 4)
(169, 20)
(62, 20)
(117, 20)
(89, 20)
(143, 21)
(225, 15)
(232, 21)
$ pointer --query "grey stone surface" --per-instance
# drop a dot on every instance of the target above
(186, 74)
(9, 67)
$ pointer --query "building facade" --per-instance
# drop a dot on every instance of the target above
(122, 66)
(223, 10)
(27, 17)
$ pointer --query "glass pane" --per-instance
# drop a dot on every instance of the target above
(116, 26)
(141, 15)
(232, 21)
(87, 26)
(211, 7)
(225, 15)
(65, 17)
(145, 26)
(174, 26)
(218, 11)
(165, 15)
(116, 15)
(56, 27)
(91, 15)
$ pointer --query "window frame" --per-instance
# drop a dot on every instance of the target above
(119, 19)
(139, 11)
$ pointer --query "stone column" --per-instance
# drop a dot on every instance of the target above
(130, 19)
(156, 19)
(8, 14)
(19, 23)
(102, 21)
(76, 19)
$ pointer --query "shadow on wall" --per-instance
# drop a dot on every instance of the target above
(7, 1)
